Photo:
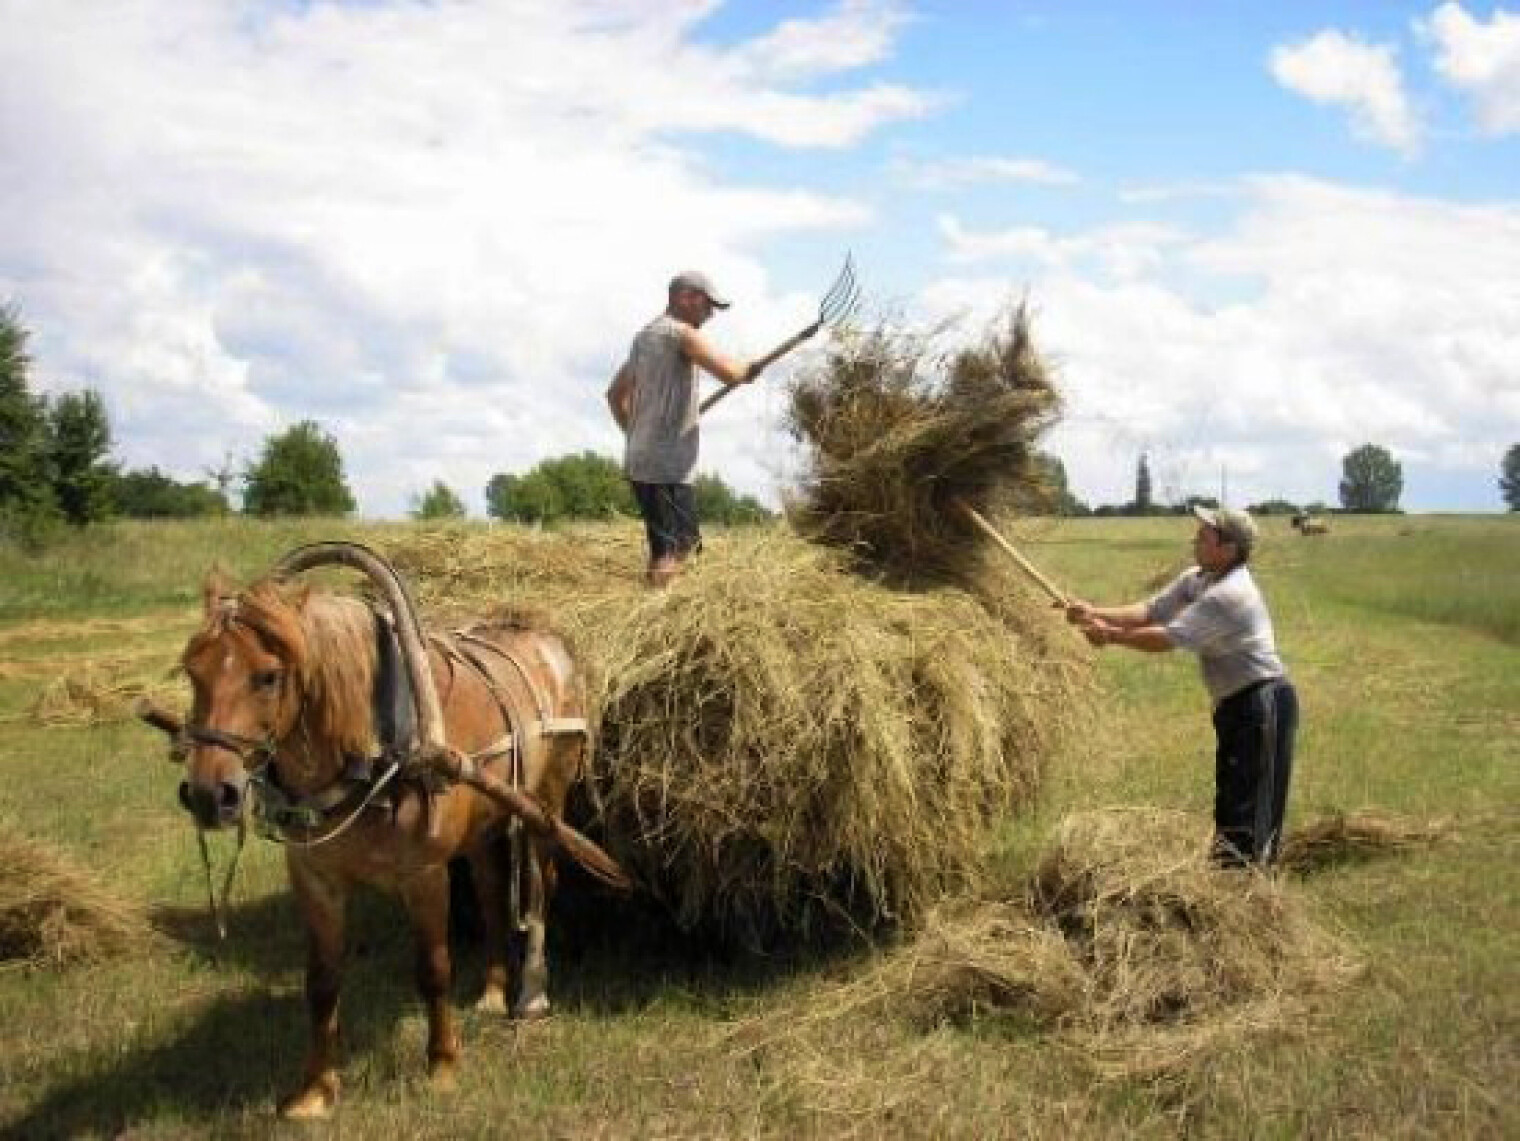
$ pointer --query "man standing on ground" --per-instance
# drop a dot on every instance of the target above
(1216, 611)
(656, 401)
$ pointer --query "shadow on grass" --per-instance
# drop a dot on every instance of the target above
(608, 953)
(234, 1057)
(242, 1051)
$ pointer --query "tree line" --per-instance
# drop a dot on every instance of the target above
(56, 469)
(1371, 483)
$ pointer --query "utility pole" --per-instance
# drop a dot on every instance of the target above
(1224, 486)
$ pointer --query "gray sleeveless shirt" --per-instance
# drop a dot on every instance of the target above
(664, 431)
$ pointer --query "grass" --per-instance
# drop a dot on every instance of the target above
(1401, 634)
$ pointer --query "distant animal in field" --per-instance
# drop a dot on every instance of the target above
(292, 688)
(1306, 524)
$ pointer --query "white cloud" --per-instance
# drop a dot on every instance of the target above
(1338, 69)
(1120, 250)
(856, 33)
(431, 227)
(1353, 316)
(966, 171)
(1481, 59)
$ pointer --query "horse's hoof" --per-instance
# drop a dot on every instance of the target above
(533, 1009)
(493, 1001)
(442, 1077)
(315, 1104)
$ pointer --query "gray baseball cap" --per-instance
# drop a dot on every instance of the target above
(696, 279)
(1234, 526)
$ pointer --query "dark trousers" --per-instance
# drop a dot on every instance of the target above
(1252, 766)
(670, 518)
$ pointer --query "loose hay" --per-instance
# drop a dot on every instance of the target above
(1179, 952)
(53, 912)
(898, 436)
(98, 695)
(785, 748)
(1354, 837)
(1126, 944)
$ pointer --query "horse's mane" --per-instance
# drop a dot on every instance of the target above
(327, 641)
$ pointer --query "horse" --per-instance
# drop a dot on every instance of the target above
(289, 685)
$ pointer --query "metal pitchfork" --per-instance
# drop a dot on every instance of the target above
(837, 304)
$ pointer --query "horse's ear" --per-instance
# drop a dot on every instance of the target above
(218, 587)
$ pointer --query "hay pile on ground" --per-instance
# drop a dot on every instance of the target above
(52, 911)
(1179, 953)
(99, 695)
(898, 436)
(784, 747)
(1125, 943)
(1354, 837)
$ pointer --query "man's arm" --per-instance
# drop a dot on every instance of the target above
(1080, 613)
(1151, 639)
(724, 368)
(620, 397)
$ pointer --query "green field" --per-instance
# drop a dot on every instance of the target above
(1403, 634)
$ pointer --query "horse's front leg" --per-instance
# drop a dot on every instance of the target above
(426, 895)
(323, 901)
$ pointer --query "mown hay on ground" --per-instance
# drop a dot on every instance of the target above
(53, 911)
(98, 695)
(1354, 837)
(898, 436)
(784, 747)
(1125, 943)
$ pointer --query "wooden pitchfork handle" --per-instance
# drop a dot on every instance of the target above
(762, 363)
(1024, 564)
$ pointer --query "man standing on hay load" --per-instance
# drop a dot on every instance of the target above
(656, 401)
(1216, 610)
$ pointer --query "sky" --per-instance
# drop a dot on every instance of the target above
(1253, 237)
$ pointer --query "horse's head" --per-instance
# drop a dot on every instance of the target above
(245, 666)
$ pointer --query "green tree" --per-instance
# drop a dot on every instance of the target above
(1143, 502)
(79, 439)
(439, 502)
(1509, 478)
(26, 484)
(299, 472)
(1372, 480)
(717, 503)
(582, 486)
(1274, 507)
(529, 498)
(149, 494)
(1053, 493)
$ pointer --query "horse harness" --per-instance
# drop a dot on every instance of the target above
(315, 818)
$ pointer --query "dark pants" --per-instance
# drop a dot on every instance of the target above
(670, 518)
(1252, 766)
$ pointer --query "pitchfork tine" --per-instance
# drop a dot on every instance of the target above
(842, 296)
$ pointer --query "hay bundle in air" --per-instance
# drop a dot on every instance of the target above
(53, 911)
(898, 436)
(785, 747)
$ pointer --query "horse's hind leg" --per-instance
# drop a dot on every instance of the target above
(486, 869)
(323, 902)
(426, 895)
(533, 986)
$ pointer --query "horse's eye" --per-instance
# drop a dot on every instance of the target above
(266, 679)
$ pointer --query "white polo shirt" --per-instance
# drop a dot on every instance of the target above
(1225, 622)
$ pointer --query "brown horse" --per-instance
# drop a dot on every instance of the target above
(284, 714)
